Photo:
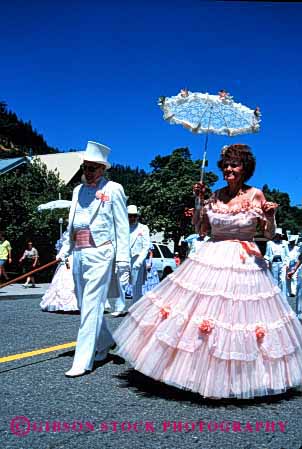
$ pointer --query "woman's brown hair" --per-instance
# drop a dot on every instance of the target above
(238, 152)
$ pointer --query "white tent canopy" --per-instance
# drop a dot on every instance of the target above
(66, 164)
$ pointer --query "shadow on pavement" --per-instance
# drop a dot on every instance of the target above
(151, 388)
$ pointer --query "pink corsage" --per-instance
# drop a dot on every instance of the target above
(165, 312)
(260, 332)
(101, 196)
(206, 326)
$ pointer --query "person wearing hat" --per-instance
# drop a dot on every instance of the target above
(98, 238)
(277, 255)
(292, 273)
(139, 247)
(294, 252)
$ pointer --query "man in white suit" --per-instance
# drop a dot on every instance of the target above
(277, 255)
(98, 237)
(139, 247)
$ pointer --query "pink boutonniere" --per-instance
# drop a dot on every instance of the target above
(206, 326)
(101, 196)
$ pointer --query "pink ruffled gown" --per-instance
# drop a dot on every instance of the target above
(60, 295)
(218, 325)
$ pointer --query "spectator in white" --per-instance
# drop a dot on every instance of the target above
(139, 247)
(29, 260)
(98, 236)
(294, 252)
(290, 274)
(278, 257)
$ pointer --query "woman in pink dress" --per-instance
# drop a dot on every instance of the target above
(60, 295)
(219, 325)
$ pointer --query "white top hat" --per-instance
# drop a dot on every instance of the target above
(279, 231)
(132, 210)
(97, 152)
(293, 238)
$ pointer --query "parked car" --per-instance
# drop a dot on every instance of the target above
(163, 259)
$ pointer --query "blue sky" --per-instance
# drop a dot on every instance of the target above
(93, 70)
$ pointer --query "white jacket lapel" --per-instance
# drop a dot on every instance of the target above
(134, 235)
(97, 202)
(74, 204)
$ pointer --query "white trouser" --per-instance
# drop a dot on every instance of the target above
(92, 269)
(123, 281)
(137, 280)
(279, 274)
(122, 277)
(291, 284)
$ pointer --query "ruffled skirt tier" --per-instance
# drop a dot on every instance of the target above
(60, 295)
(218, 326)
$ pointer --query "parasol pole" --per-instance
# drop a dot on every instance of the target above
(19, 278)
(202, 171)
(205, 147)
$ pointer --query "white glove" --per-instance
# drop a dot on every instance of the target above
(62, 257)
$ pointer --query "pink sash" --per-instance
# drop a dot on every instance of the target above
(83, 239)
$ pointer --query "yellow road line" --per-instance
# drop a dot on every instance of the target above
(23, 355)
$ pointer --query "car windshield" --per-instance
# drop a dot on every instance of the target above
(166, 252)
(156, 253)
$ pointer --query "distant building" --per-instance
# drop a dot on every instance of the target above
(66, 165)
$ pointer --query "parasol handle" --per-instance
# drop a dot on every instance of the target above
(19, 278)
(205, 148)
(203, 165)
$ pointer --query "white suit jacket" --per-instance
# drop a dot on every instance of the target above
(140, 242)
(272, 249)
(108, 221)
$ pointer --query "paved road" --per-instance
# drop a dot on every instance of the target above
(99, 411)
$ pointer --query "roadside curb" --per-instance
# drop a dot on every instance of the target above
(14, 297)
(17, 291)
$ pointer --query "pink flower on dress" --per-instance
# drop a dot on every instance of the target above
(165, 312)
(101, 196)
(246, 204)
(206, 326)
(260, 332)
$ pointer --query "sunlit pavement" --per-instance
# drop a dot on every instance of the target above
(114, 406)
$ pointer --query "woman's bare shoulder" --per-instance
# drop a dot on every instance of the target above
(257, 193)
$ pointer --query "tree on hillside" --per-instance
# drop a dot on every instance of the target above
(22, 191)
(4, 119)
(167, 192)
(19, 137)
(288, 217)
(130, 178)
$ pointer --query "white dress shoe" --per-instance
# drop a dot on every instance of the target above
(75, 372)
(121, 313)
